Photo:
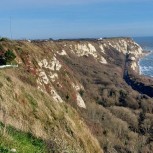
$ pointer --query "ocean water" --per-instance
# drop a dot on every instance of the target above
(146, 63)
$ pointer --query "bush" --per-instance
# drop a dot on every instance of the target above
(7, 57)
(127, 115)
(4, 39)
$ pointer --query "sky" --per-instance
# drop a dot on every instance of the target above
(43, 19)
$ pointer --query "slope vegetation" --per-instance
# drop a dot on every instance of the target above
(71, 94)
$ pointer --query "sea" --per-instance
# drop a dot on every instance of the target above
(146, 63)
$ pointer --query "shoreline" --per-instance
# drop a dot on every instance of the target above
(144, 54)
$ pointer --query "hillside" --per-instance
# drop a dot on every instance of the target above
(73, 96)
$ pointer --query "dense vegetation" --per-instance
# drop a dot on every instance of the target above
(7, 57)
(121, 118)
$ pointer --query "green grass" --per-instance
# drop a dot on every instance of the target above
(21, 141)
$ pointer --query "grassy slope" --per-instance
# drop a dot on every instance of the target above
(21, 141)
(27, 109)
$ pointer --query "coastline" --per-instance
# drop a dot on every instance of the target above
(144, 54)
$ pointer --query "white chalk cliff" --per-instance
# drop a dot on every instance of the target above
(50, 68)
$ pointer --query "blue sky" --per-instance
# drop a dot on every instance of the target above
(76, 18)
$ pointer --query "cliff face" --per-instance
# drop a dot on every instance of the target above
(52, 69)
(57, 80)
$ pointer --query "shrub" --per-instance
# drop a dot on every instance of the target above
(4, 39)
(9, 56)
(127, 115)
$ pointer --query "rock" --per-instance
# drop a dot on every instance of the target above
(133, 58)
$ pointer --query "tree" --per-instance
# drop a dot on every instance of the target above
(9, 56)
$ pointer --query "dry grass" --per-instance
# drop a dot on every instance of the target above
(25, 108)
